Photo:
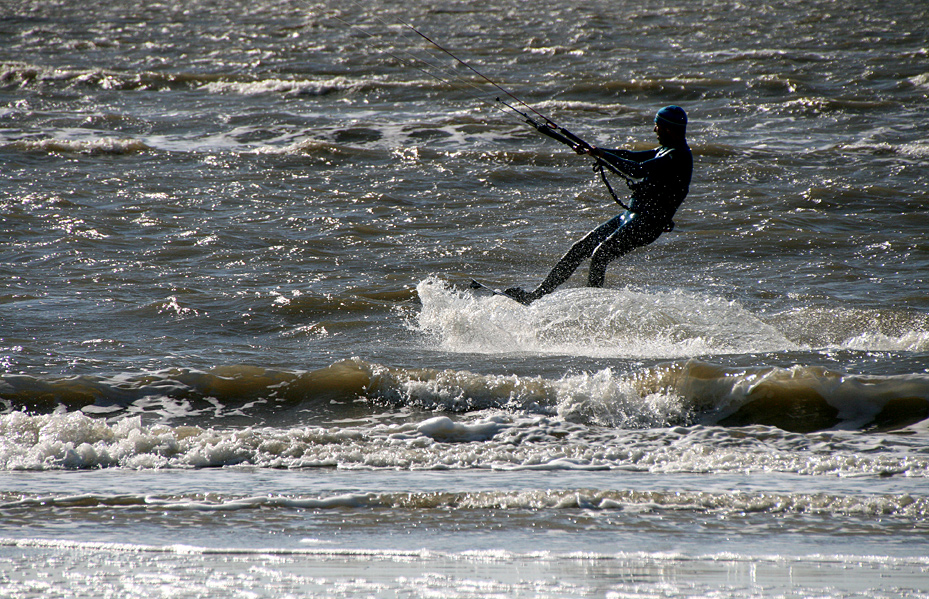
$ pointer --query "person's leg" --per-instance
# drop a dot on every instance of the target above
(568, 263)
(633, 234)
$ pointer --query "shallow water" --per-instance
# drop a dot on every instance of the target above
(238, 246)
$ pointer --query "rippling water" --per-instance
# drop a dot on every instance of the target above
(238, 354)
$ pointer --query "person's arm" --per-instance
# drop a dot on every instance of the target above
(640, 156)
(629, 162)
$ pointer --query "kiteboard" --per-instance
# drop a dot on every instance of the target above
(492, 290)
(478, 285)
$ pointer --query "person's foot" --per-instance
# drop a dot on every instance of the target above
(523, 297)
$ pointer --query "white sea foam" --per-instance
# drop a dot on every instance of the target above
(497, 441)
(277, 86)
(107, 145)
(443, 428)
(912, 341)
(594, 322)
(308, 87)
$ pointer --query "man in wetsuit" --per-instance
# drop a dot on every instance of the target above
(664, 179)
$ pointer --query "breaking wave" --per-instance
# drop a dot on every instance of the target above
(112, 146)
(797, 398)
(692, 416)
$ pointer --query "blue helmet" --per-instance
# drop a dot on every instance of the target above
(673, 116)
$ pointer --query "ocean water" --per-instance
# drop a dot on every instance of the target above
(239, 357)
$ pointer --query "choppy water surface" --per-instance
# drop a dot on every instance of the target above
(238, 355)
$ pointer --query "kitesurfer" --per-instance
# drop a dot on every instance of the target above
(662, 180)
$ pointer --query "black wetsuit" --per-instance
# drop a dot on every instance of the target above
(664, 175)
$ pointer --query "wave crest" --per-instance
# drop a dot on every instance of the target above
(105, 146)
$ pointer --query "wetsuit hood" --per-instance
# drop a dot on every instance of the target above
(673, 116)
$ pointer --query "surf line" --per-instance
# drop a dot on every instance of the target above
(543, 124)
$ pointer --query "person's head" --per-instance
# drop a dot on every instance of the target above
(671, 124)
